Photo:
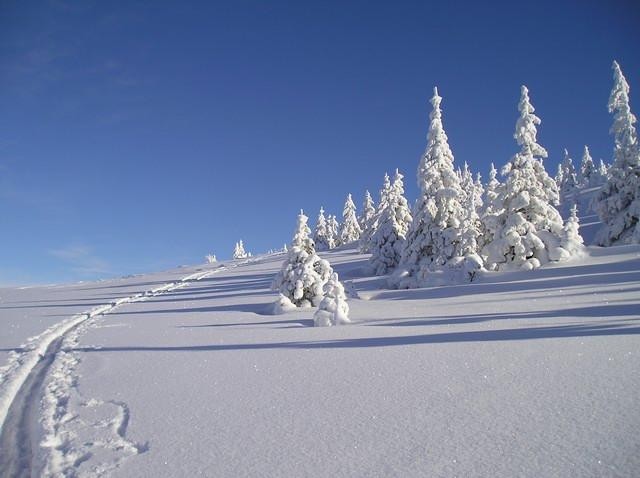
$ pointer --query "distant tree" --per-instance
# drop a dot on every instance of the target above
(492, 209)
(322, 235)
(603, 171)
(239, 252)
(387, 241)
(372, 225)
(529, 229)
(303, 273)
(333, 309)
(569, 185)
(211, 258)
(368, 212)
(559, 177)
(350, 228)
(588, 171)
(334, 229)
(618, 202)
(572, 240)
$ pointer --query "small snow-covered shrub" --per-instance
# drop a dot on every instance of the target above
(333, 309)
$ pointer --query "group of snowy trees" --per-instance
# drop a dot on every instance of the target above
(571, 181)
(329, 234)
(306, 280)
(239, 252)
(459, 227)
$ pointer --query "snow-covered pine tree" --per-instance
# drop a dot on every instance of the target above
(393, 222)
(333, 309)
(322, 236)
(529, 229)
(618, 202)
(334, 231)
(492, 209)
(603, 171)
(478, 190)
(303, 273)
(434, 239)
(372, 226)
(239, 252)
(572, 240)
(350, 229)
(569, 185)
(368, 211)
(588, 171)
(211, 258)
(559, 177)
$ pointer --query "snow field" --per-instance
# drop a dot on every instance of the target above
(523, 373)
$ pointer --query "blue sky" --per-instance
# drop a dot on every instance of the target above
(136, 136)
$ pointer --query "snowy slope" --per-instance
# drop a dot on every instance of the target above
(521, 374)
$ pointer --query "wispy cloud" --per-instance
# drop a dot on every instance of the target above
(81, 259)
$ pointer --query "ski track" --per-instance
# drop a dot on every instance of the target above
(23, 386)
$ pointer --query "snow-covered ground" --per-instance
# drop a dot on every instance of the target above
(520, 374)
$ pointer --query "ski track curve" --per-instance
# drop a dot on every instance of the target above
(23, 384)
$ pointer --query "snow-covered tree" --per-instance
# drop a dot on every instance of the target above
(529, 229)
(572, 241)
(211, 258)
(588, 170)
(603, 171)
(334, 231)
(350, 229)
(435, 237)
(618, 202)
(368, 211)
(239, 252)
(478, 190)
(559, 177)
(492, 209)
(322, 235)
(393, 222)
(333, 309)
(303, 273)
(372, 226)
(569, 184)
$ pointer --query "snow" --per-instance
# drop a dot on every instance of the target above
(521, 373)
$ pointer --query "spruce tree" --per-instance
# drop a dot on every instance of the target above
(572, 240)
(322, 236)
(239, 252)
(588, 172)
(367, 233)
(333, 309)
(393, 222)
(350, 229)
(368, 212)
(303, 273)
(435, 237)
(334, 231)
(618, 202)
(569, 182)
(529, 228)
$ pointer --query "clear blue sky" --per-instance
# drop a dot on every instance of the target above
(136, 136)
